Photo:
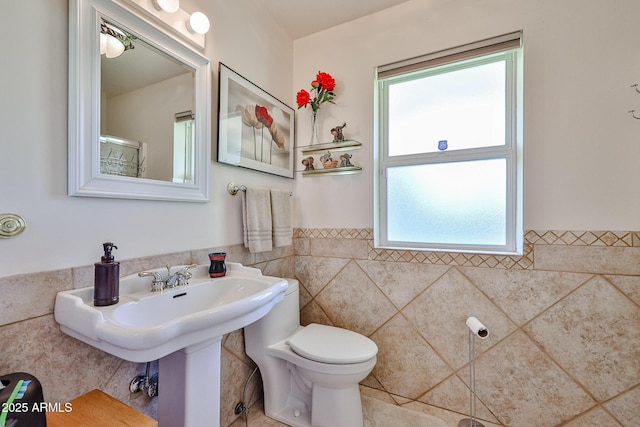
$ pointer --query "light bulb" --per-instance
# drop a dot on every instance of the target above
(198, 23)
(169, 6)
(114, 47)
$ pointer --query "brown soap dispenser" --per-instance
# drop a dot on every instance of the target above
(106, 288)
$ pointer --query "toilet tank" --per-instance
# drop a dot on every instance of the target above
(282, 321)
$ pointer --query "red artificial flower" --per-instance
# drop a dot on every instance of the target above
(325, 81)
(322, 87)
(263, 115)
(302, 97)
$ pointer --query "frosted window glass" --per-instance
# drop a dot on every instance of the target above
(450, 203)
(465, 107)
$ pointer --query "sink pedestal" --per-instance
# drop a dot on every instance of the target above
(189, 386)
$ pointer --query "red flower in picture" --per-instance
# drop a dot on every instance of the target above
(258, 117)
(263, 116)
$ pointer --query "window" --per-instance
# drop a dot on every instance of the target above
(183, 148)
(449, 147)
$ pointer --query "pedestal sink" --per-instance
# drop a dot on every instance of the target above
(181, 326)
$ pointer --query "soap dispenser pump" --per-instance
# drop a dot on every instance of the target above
(106, 289)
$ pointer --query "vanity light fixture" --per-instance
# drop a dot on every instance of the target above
(198, 23)
(172, 17)
(169, 6)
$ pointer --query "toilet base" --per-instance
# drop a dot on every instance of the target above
(288, 416)
(325, 412)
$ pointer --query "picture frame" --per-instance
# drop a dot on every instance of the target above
(255, 129)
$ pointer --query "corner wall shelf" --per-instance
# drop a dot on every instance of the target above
(345, 170)
(347, 145)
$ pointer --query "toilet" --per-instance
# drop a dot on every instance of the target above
(310, 374)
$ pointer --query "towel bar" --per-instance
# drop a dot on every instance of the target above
(233, 188)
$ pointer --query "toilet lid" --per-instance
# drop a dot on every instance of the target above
(328, 344)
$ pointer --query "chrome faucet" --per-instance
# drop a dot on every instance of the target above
(179, 278)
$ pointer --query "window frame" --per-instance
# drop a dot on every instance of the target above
(512, 150)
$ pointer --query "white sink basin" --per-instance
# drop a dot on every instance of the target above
(206, 296)
(147, 325)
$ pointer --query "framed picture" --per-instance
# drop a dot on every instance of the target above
(255, 130)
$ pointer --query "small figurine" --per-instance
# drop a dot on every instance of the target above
(338, 136)
(308, 163)
(325, 157)
(345, 160)
(327, 161)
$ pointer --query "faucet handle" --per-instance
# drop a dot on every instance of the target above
(157, 284)
(182, 279)
(183, 275)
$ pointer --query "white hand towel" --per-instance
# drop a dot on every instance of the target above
(281, 217)
(256, 219)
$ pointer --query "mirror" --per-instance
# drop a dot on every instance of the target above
(139, 118)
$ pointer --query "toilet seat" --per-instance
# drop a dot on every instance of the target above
(328, 344)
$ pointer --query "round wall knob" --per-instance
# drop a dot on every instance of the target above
(11, 225)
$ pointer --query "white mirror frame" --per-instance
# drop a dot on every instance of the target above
(85, 178)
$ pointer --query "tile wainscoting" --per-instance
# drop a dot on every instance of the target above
(563, 349)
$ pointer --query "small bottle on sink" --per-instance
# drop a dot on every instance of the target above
(106, 288)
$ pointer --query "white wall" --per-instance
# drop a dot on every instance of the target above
(582, 149)
(65, 231)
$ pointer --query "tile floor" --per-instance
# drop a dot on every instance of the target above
(376, 412)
